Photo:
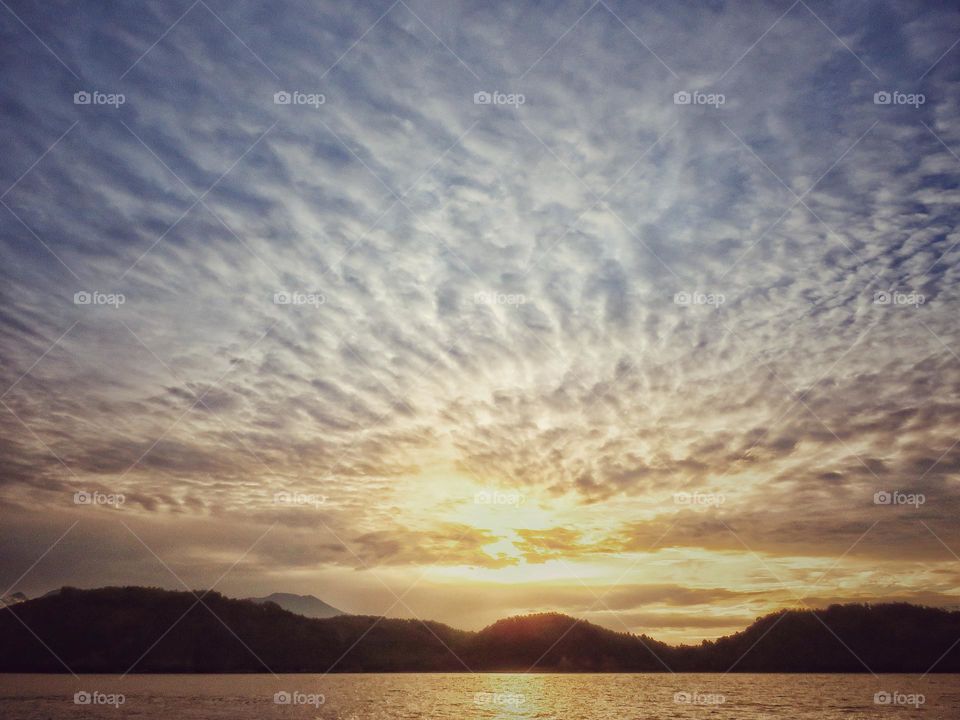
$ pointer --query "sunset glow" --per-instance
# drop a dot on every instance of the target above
(462, 311)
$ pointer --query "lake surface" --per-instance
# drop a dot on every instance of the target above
(492, 695)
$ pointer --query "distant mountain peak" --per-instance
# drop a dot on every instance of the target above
(306, 605)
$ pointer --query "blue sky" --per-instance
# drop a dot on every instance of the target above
(582, 293)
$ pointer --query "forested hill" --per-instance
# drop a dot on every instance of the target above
(115, 630)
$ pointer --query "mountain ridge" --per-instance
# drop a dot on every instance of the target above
(306, 605)
(108, 630)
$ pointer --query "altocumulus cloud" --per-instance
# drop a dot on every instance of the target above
(602, 293)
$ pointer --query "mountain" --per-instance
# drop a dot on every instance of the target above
(889, 638)
(560, 643)
(306, 605)
(113, 630)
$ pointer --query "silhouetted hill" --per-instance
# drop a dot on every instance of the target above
(151, 630)
(558, 642)
(306, 605)
(154, 630)
(895, 637)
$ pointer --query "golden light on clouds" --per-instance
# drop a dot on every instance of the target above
(476, 332)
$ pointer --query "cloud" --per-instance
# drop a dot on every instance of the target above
(486, 293)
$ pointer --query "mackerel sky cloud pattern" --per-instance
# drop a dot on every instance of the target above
(381, 290)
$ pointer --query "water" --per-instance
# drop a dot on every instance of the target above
(492, 695)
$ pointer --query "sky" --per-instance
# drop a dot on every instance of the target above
(643, 312)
